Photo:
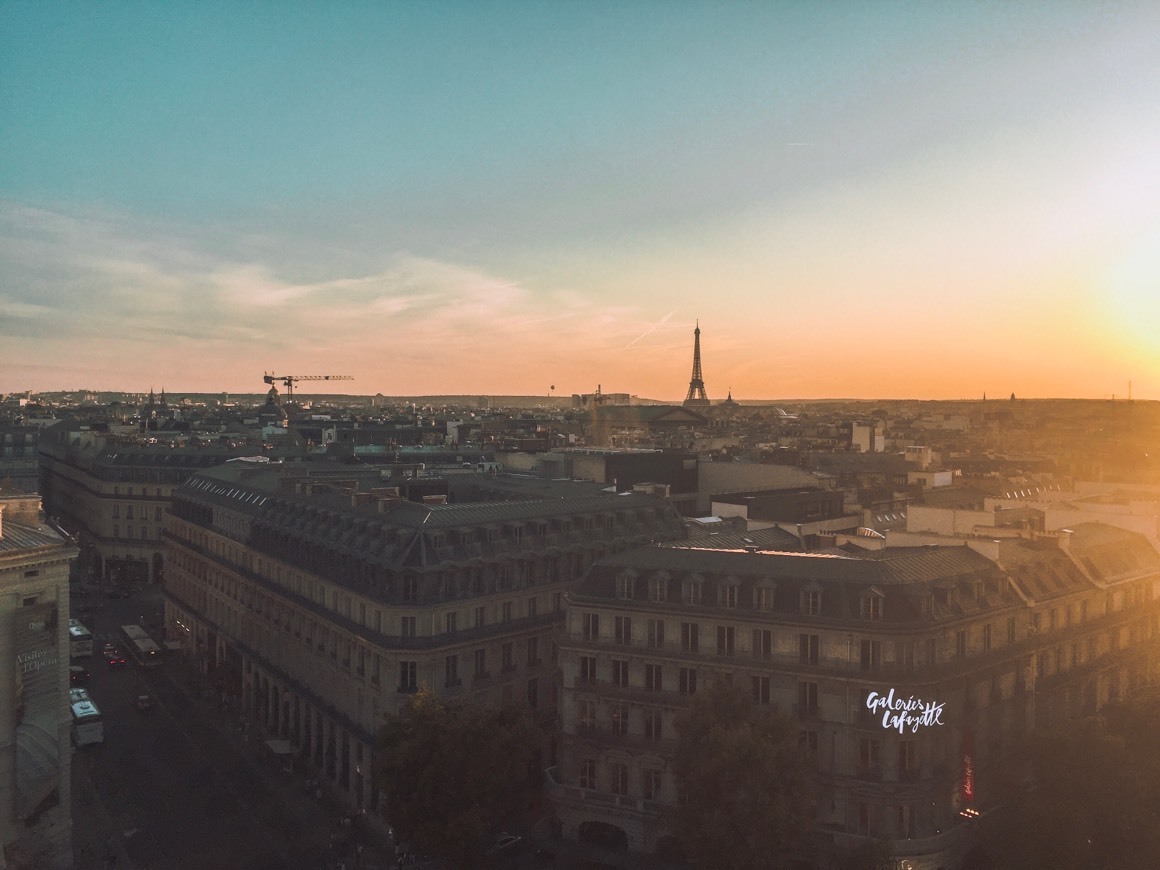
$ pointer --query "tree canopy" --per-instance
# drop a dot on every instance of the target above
(746, 786)
(453, 772)
(1089, 796)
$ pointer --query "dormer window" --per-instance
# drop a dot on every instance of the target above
(872, 604)
(691, 591)
(810, 602)
(763, 597)
(626, 585)
(727, 594)
(658, 587)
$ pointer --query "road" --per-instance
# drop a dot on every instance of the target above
(172, 787)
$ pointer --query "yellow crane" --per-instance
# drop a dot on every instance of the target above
(288, 381)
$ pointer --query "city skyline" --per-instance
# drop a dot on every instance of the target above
(902, 201)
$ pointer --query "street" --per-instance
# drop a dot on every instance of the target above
(172, 787)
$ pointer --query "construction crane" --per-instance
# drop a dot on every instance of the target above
(288, 381)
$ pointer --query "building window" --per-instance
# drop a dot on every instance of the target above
(763, 598)
(587, 669)
(410, 590)
(451, 671)
(506, 609)
(727, 595)
(1011, 629)
(452, 622)
(725, 638)
(656, 633)
(658, 589)
(811, 602)
(760, 686)
(872, 606)
(690, 637)
(871, 655)
(864, 819)
(533, 650)
(533, 693)
(807, 698)
(907, 758)
(618, 714)
(128, 511)
(650, 785)
(653, 678)
(480, 617)
(961, 642)
(618, 776)
(620, 672)
(507, 662)
(625, 586)
(808, 744)
(906, 821)
(116, 512)
(623, 630)
(688, 681)
(408, 676)
(588, 773)
(533, 607)
(987, 637)
(808, 649)
(653, 725)
(480, 664)
(869, 750)
(408, 626)
(762, 643)
(591, 626)
(586, 716)
(692, 592)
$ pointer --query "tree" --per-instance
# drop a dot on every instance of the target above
(452, 773)
(746, 787)
(1089, 796)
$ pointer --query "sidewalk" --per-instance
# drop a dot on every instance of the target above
(324, 828)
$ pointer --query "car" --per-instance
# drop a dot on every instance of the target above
(110, 649)
(144, 702)
(114, 659)
(77, 674)
(504, 842)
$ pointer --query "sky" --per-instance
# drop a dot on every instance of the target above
(866, 200)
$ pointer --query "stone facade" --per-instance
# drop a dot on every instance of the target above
(35, 748)
(1027, 634)
(321, 600)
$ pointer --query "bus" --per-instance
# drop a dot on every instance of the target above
(87, 725)
(80, 640)
(142, 647)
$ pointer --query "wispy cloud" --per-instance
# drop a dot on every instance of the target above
(112, 294)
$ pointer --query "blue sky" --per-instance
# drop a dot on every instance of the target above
(890, 199)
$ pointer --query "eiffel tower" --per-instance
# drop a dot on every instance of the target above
(696, 397)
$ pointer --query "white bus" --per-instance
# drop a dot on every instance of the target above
(87, 725)
(80, 640)
(141, 646)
